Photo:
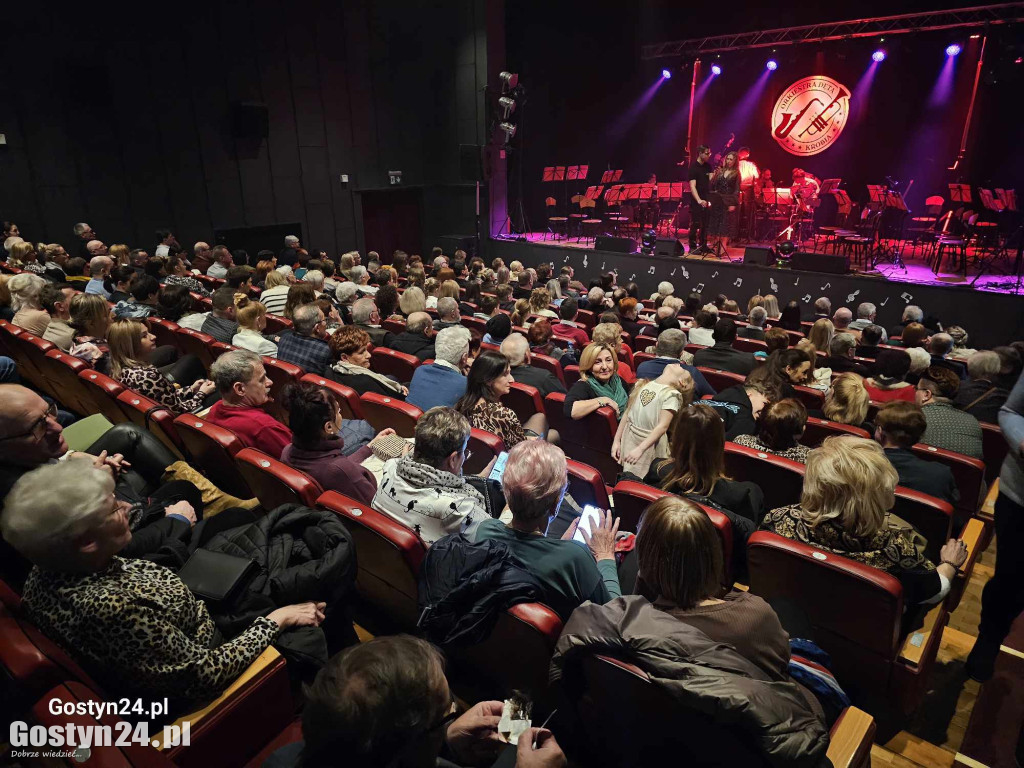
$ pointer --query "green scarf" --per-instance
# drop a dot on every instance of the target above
(613, 390)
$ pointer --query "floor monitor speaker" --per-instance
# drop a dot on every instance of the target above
(754, 254)
(807, 261)
(615, 244)
(669, 246)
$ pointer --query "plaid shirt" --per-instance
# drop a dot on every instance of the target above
(306, 352)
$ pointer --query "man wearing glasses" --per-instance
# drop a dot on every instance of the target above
(31, 436)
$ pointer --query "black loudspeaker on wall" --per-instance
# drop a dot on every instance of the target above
(615, 244)
(668, 246)
(757, 255)
(249, 120)
(805, 261)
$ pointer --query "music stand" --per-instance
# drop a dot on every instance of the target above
(549, 173)
(960, 193)
(717, 204)
(828, 186)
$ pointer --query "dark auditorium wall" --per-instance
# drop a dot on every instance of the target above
(121, 118)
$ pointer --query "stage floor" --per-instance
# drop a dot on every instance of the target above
(917, 270)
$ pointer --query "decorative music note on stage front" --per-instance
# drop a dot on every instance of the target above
(773, 284)
(851, 297)
(584, 261)
(632, 277)
(796, 283)
(714, 274)
(684, 273)
(566, 260)
(807, 298)
(738, 282)
(650, 271)
(826, 286)
(672, 273)
(883, 302)
(906, 297)
(700, 287)
(602, 266)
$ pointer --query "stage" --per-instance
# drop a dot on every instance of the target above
(990, 317)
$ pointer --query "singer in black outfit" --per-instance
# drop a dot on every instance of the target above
(700, 188)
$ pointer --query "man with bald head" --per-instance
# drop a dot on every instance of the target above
(31, 436)
(99, 268)
(202, 256)
(417, 338)
(516, 350)
(841, 321)
(96, 248)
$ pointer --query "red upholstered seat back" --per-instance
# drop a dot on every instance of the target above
(587, 440)
(276, 323)
(484, 447)
(993, 448)
(281, 374)
(103, 391)
(780, 479)
(818, 429)
(587, 486)
(813, 399)
(212, 450)
(348, 398)
(166, 331)
(150, 415)
(931, 517)
(196, 343)
(383, 412)
(720, 380)
(968, 472)
(391, 363)
(275, 483)
(524, 400)
(749, 345)
(61, 370)
(548, 364)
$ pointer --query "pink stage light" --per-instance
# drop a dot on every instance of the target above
(666, 74)
(772, 65)
(953, 49)
(878, 55)
(716, 70)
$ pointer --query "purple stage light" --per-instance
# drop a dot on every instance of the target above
(878, 55)
(952, 49)
(715, 69)
(666, 74)
(772, 64)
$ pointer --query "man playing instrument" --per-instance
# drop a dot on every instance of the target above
(749, 189)
(805, 188)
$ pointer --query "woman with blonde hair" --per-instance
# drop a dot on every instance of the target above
(252, 321)
(6, 312)
(844, 508)
(755, 301)
(540, 299)
(521, 312)
(449, 289)
(821, 334)
(412, 300)
(818, 377)
(430, 288)
(275, 294)
(24, 256)
(181, 390)
(28, 312)
(599, 385)
(642, 435)
(847, 401)
(771, 306)
(121, 254)
(611, 334)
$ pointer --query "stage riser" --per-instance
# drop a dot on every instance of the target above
(991, 319)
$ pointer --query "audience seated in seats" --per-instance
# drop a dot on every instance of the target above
(361, 277)
(740, 406)
(417, 339)
(702, 330)
(841, 322)
(121, 281)
(723, 356)
(56, 262)
(56, 300)
(790, 317)
(244, 389)
(846, 402)
(306, 346)
(23, 256)
(870, 338)
(939, 347)
(488, 381)
(610, 334)
(840, 358)
(535, 482)
(775, 339)
(771, 306)
(696, 470)
(915, 335)
(159, 513)
(599, 385)
(99, 268)
(821, 334)
(252, 321)
(299, 295)
(669, 351)
(779, 429)
(90, 317)
(961, 347)
(132, 624)
(844, 508)
(911, 314)
(567, 326)
(982, 395)
(447, 313)
(689, 633)
(425, 490)
(143, 301)
(411, 301)
(755, 325)
(317, 446)
(174, 303)
(222, 321)
(948, 427)
(866, 313)
(366, 315)
(919, 362)
(516, 350)
(350, 347)
(222, 262)
(816, 378)
(782, 372)
(180, 387)
(899, 426)
(239, 279)
(28, 312)
(386, 702)
(628, 316)
(498, 328)
(444, 381)
(275, 295)
(77, 272)
(888, 382)
(177, 274)
(642, 435)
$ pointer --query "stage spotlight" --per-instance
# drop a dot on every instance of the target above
(878, 55)
(772, 65)
(508, 106)
(715, 69)
(649, 240)
(786, 249)
(665, 74)
(509, 80)
(952, 49)
(509, 130)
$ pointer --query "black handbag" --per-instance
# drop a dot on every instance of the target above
(215, 576)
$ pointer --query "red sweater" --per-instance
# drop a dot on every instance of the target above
(255, 427)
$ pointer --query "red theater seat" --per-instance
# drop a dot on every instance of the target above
(639, 358)
(395, 326)
(166, 332)
(994, 450)
(720, 380)
(524, 400)
(548, 364)
(474, 324)
(781, 480)
(931, 517)
(104, 392)
(29, 351)
(484, 447)
(813, 399)
(572, 375)
(196, 343)
(275, 483)
(351, 407)
(212, 450)
(855, 611)
(390, 555)
(151, 415)
(62, 371)
(392, 363)
(818, 429)
(281, 374)
(749, 345)
(586, 485)
(968, 472)
(383, 412)
(587, 440)
(276, 324)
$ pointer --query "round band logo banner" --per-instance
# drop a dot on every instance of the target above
(810, 115)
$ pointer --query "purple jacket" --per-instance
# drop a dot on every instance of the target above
(326, 464)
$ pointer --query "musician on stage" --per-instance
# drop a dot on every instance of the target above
(805, 187)
(650, 210)
(725, 181)
(700, 189)
(749, 175)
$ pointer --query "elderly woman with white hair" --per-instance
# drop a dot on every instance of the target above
(132, 624)
(845, 508)
(665, 289)
(28, 312)
(535, 482)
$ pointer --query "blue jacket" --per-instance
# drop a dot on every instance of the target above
(434, 385)
(652, 369)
